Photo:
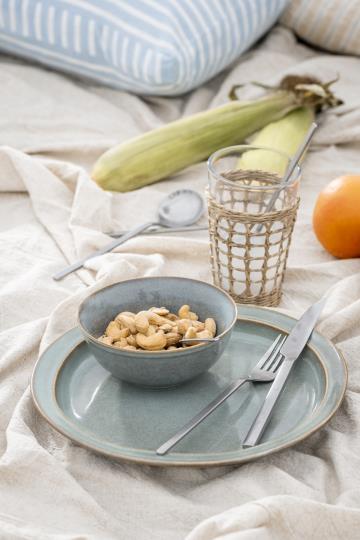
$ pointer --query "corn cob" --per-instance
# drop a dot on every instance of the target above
(284, 135)
(168, 149)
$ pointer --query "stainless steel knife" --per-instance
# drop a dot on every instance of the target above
(291, 351)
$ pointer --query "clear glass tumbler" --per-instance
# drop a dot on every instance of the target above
(251, 219)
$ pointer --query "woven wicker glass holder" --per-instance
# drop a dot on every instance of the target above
(248, 264)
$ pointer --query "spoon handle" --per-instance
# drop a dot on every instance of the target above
(199, 340)
(106, 249)
(163, 230)
(291, 168)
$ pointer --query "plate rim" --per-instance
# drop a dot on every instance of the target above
(82, 342)
(162, 461)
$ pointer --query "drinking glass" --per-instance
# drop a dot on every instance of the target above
(251, 218)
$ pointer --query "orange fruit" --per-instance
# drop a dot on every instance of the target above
(336, 218)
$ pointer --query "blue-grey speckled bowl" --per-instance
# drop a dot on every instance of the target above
(157, 368)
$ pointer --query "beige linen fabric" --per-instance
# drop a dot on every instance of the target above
(51, 213)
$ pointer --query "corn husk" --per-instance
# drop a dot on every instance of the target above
(168, 149)
(164, 151)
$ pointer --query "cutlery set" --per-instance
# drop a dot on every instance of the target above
(274, 366)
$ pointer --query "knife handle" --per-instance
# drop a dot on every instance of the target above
(261, 420)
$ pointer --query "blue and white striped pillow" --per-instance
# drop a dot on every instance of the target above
(163, 47)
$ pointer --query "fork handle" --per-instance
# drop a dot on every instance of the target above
(204, 413)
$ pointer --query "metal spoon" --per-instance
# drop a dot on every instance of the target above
(199, 340)
(179, 209)
(161, 230)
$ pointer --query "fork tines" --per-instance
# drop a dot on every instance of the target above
(272, 359)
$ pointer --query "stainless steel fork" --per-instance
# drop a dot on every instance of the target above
(264, 371)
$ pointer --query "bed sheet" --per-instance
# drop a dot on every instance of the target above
(52, 129)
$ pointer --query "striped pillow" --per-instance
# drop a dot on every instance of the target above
(333, 25)
(163, 47)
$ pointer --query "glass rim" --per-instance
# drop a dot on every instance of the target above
(222, 152)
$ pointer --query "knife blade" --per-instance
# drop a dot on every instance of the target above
(291, 351)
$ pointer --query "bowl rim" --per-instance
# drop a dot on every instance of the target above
(139, 354)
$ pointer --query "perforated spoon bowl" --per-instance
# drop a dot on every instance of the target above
(181, 208)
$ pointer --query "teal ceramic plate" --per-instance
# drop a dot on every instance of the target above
(85, 403)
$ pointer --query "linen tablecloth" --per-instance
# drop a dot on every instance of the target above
(52, 129)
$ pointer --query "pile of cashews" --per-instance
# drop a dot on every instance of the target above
(156, 329)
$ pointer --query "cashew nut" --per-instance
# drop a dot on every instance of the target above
(124, 332)
(183, 325)
(210, 326)
(156, 342)
(166, 327)
(156, 329)
(160, 311)
(121, 344)
(172, 338)
(127, 322)
(190, 333)
(131, 340)
(126, 313)
(198, 325)
(113, 330)
(141, 323)
(154, 318)
(204, 334)
(185, 313)
(151, 330)
(106, 339)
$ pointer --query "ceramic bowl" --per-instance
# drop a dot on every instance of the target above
(157, 368)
